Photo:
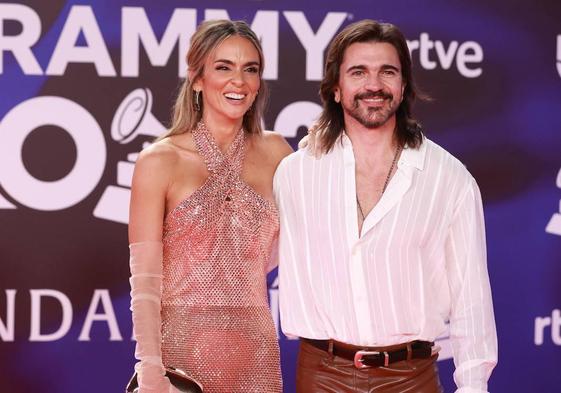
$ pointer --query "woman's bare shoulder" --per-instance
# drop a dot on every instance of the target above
(159, 156)
(275, 145)
(166, 153)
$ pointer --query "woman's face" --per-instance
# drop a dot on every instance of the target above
(230, 80)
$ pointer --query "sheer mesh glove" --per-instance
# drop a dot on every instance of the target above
(146, 296)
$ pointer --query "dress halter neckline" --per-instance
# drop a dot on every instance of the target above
(215, 160)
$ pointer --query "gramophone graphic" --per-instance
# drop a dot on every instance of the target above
(132, 118)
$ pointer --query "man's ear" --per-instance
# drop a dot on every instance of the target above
(337, 95)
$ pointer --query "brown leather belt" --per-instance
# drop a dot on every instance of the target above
(374, 357)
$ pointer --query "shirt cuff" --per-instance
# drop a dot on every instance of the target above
(470, 390)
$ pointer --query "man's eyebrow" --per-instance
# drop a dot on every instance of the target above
(224, 61)
(361, 67)
(390, 67)
(358, 67)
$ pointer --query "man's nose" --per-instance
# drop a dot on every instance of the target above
(373, 82)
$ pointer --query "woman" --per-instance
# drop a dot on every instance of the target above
(203, 223)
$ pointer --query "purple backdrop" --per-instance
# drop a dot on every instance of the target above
(84, 84)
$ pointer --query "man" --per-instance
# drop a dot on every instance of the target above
(382, 235)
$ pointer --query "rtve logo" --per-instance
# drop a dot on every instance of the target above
(551, 323)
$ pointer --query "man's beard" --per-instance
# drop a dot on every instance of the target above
(373, 117)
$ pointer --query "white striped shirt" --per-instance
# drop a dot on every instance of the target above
(419, 260)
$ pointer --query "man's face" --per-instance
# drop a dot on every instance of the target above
(370, 86)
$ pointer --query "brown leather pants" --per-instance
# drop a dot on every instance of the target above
(320, 372)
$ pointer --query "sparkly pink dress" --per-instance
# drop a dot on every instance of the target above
(216, 323)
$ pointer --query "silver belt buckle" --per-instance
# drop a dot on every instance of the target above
(360, 354)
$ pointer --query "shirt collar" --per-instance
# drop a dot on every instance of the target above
(414, 157)
(409, 156)
(345, 140)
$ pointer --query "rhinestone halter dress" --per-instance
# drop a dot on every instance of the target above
(216, 323)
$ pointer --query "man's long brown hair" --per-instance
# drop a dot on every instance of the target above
(331, 122)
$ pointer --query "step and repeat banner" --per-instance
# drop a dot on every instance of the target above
(84, 85)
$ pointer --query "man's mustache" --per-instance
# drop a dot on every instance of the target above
(374, 94)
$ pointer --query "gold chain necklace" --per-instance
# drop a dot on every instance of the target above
(397, 151)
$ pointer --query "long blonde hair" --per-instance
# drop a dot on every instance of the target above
(208, 36)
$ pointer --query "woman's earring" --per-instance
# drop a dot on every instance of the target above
(197, 104)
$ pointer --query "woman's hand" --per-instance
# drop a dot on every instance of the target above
(311, 142)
